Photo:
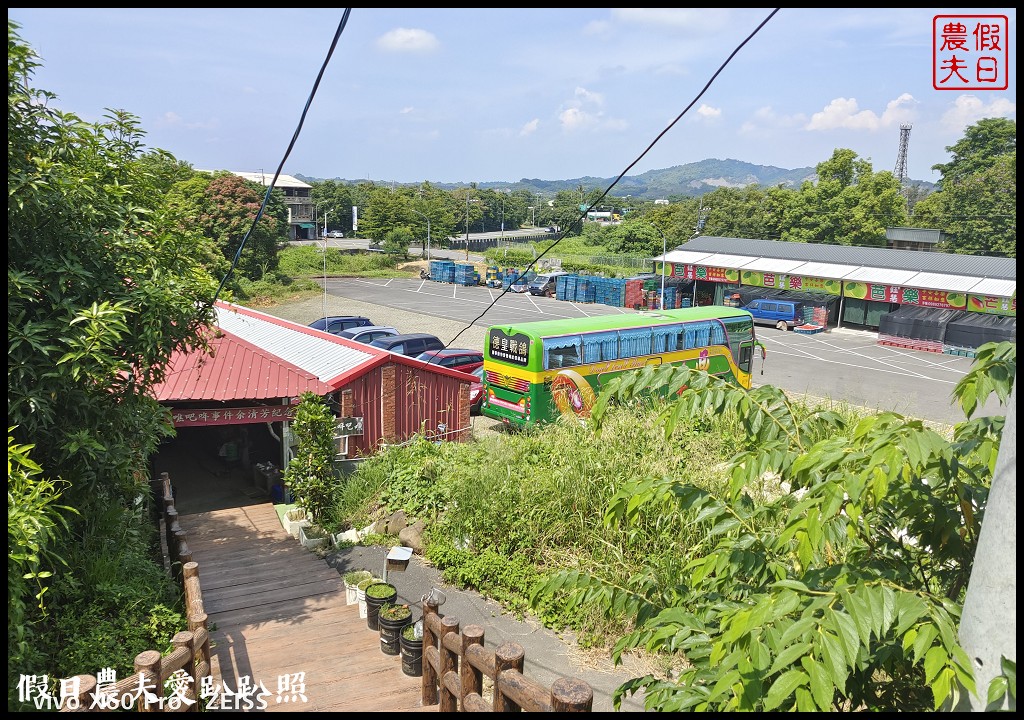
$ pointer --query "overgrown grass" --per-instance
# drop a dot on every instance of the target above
(301, 270)
(507, 510)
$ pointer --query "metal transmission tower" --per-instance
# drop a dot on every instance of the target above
(901, 160)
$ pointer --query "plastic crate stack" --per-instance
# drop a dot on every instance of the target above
(634, 295)
(442, 271)
(493, 276)
(610, 291)
(585, 290)
(509, 276)
(464, 274)
(670, 297)
(565, 288)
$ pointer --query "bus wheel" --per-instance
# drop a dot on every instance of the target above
(781, 325)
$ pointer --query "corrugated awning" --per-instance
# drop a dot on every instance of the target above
(996, 287)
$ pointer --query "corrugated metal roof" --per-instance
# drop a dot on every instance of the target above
(258, 356)
(724, 260)
(918, 235)
(326, 356)
(882, 276)
(773, 265)
(829, 271)
(234, 370)
(996, 288)
(265, 179)
(952, 264)
(937, 281)
(686, 258)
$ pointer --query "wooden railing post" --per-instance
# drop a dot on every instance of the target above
(182, 554)
(428, 685)
(85, 698)
(571, 695)
(156, 491)
(167, 492)
(509, 656)
(449, 662)
(147, 667)
(171, 522)
(471, 679)
(188, 641)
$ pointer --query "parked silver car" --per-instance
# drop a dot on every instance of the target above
(368, 333)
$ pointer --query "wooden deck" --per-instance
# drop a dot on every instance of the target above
(277, 609)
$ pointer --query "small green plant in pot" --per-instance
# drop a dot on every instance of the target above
(395, 612)
(352, 579)
(392, 619)
(361, 593)
(377, 595)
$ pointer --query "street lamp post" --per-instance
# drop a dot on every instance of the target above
(664, 252)
(467, 224)
(533, 214)
(428, 231)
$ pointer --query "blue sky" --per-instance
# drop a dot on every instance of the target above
(483, 95)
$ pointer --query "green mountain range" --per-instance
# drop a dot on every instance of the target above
(692, 179)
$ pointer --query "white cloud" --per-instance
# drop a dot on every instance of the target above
(709, 113)
(582, 111)
(406, 110)
(408, 40)
(845, 113)
(576, 119)
(586, 96)
(969, 109)
(530, 127)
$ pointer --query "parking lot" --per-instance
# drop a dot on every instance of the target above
(841, 365)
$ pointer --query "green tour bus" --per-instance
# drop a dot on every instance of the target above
(536, 371)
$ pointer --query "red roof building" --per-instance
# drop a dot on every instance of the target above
(258, 365)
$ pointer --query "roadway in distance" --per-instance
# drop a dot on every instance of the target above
(844, 365)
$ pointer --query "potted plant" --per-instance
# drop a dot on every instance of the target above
(352, 579)
(377, 594)
(391, 619)
(312, 536)
(411, 645)
(361, 593)
(293, 519)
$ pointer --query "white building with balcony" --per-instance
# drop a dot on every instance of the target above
(301, 220)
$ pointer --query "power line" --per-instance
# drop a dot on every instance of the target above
(287, 152)
(575, 223)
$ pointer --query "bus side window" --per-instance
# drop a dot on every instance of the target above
(563, 357)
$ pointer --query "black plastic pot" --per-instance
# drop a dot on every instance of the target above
(412, 655)
(373, 603)
(391, 633)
